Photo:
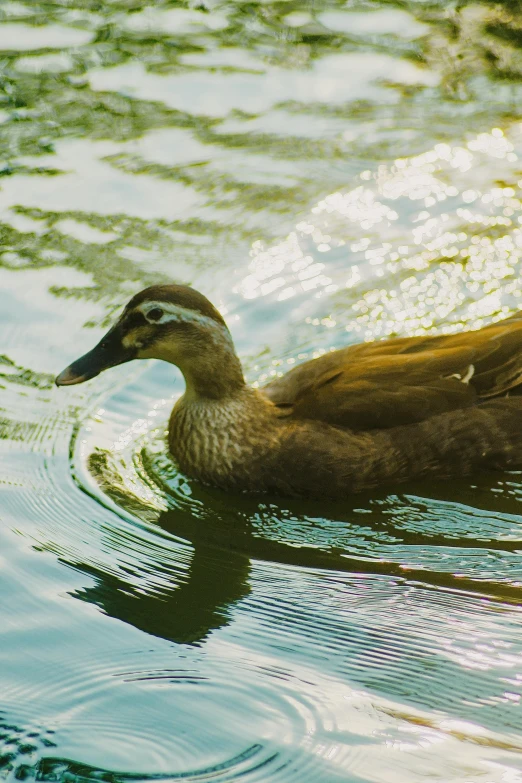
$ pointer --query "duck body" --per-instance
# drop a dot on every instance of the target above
(361, 417)
(217, 444)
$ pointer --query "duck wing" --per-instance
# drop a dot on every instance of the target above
(401, 381)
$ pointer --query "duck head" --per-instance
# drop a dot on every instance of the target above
(174, 323)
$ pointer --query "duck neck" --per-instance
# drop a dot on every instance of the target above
(214, 375)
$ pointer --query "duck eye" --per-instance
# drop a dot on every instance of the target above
(156, 314)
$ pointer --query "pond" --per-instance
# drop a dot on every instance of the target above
(326, 173)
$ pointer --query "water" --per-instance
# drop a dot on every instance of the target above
(326, 174)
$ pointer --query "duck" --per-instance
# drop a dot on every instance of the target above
(363, 416)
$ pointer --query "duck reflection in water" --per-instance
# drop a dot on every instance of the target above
(226, 543)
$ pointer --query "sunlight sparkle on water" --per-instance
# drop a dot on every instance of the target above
(434, 254)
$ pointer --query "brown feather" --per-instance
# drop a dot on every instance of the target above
(382, 384)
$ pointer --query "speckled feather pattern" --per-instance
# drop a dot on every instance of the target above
(226, 442)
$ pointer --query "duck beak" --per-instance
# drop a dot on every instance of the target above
(108, 353)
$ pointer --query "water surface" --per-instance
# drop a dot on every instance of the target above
(326, 173)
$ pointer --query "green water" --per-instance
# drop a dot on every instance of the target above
(326, 173)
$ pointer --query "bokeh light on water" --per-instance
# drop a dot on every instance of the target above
(326, 173)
